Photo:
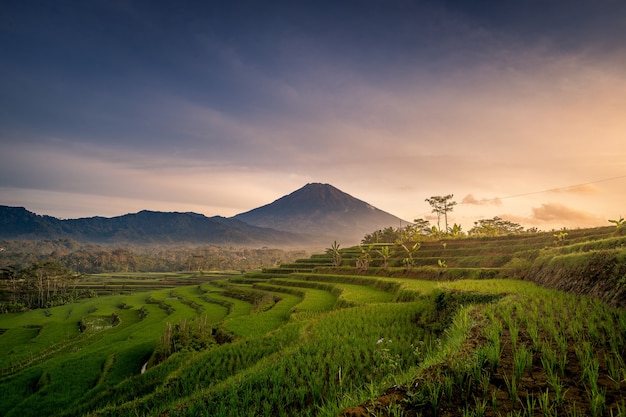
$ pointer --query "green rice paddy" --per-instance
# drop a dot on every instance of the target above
(316, 341)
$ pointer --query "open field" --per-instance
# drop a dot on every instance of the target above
(474, 327)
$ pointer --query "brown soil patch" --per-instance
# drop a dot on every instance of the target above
(495, 400)
(385, 402)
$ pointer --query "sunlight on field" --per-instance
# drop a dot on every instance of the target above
(313, 343)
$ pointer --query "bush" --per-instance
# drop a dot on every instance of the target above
(193, 335)
(517, 267)
(143, 312)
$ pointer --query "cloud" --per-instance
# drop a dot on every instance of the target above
(470, 199)
(430, 218)
(556, 213)
(211, 118)
(582, 189)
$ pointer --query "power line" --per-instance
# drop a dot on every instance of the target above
(551, 189)
(487, 200)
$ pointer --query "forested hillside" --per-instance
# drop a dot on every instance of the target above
(92, 259)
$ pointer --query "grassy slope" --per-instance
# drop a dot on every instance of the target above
(325, 338)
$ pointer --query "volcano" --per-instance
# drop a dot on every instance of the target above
(322, 212)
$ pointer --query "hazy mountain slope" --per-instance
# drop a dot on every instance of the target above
(19, 222)
(323, 211)
(316, 214)
(143, 227)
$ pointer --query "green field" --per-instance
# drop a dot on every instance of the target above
(517, 325)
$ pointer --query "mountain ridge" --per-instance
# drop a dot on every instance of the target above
(313, 215)
(148, 227)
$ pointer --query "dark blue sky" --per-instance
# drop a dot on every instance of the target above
(108, 107)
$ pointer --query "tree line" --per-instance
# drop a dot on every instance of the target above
(40, 285)
(44, 274)
(442, 205)
(93, 259)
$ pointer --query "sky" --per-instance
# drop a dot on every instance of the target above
(517, 108)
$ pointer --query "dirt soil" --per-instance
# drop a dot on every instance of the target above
(533, 383)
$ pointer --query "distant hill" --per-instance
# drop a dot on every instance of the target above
(314, 215)
(323, 212)
(145, 227)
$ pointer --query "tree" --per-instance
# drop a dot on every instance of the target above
(49, 283)
(423, 226)
(334, 252)
(363, 261)
(11, 274)
(619, 224)
(384, 253)
(386, 235)
(456, 230)
(560, 237)
(410, 251)
(40, 285)
(494, 227)
(441, 206)
(408, 233)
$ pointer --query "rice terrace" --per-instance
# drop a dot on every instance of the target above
(523, 324)
(175, 240)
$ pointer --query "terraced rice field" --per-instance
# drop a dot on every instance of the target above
(476, 337)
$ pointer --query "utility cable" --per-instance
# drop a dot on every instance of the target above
(487, 200)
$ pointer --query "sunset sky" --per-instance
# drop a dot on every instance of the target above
(518, 108)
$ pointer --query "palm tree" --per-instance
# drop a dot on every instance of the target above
(363, 262)
(619, 224)
(409, 261)
(384, 253)
(334, 251)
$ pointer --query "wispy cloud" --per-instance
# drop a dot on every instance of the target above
(583, 189)
(220, 114)
(470, 199)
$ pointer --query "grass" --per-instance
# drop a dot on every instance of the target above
(254, 325)
(319, 339)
